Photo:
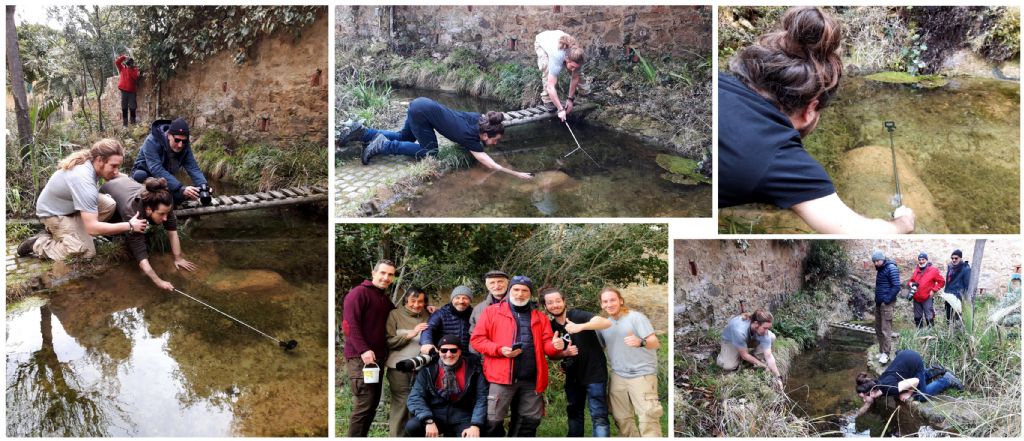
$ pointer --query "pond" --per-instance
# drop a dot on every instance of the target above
(112, 355)
(958, 155)
(821, 381)
(619, 178)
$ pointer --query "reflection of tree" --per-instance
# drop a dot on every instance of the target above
(47, 401)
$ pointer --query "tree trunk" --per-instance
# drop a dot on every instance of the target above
(17, 72)
(100, 78)
(979, 252)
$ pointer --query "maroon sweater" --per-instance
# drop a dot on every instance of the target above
(366, 313)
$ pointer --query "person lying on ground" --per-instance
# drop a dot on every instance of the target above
(747, 332)
(470, 130)
(773, 99)
(906, 377)
(449, 397)
(153, 201)
(633, 353)
(72, 210)
(557, 50)
(166, 150)
(583, 362)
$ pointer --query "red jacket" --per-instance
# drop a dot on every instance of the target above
(928, 281)
(129, 75)
(497, 328)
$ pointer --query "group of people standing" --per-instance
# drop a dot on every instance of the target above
(486, 362)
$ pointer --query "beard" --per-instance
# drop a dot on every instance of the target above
(515, 302)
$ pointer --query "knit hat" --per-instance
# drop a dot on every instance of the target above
(178, 127)
(450, 340)
(877, 255)
(923, 255)
(462, 290)
(495, 273)
(521, 280)
(958, 253)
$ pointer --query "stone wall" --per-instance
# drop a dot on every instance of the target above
(761, 273)
(603, 31)
(278, 94)
(1002, 257)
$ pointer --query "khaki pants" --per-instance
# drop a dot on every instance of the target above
(542, 64)
(883, 327)
(639, 396)
(400, 384)
(65, 236)
(729, 356)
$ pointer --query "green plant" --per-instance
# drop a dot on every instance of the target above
(826, 261)
(647, 68)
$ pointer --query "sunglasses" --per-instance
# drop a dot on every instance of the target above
(179, 140)
(448, 350)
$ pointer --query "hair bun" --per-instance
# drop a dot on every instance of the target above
(809, 31)
(155, 184)
(495, 117)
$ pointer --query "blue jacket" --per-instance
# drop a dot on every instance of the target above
(887, 282)
(155, 158)
(424, 401)
(956, 284)
(447, 321)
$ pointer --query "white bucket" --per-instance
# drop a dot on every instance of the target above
(371, 374)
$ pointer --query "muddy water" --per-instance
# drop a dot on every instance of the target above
(961, 142)
(114, 356)
(622, 180)
(821, 382)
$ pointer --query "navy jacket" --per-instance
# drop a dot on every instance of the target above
(887, 282)
(447, 321)
(157, 158)
(424, 401)
(956, 284)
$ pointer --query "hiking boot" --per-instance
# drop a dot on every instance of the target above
(25, 249)
(954, 382)
(883, 358)
(374, 148)
(352, 131)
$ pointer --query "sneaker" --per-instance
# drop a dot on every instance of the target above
(935, 371)
(352, 131)
(953, 381)
(374, 148)
(25, 249)
(883, 358)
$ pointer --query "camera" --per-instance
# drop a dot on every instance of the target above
(912, 291)
(411, 364)
(205, 195)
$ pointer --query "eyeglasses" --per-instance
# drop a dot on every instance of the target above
(449, 350)
(179, 140)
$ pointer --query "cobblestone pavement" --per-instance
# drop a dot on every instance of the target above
(24, 270)
(354, 182)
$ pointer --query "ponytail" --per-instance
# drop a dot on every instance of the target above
(760, 316)
(103, 148)
(572, 48)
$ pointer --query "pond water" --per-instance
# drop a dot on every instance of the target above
(622, 179)
(958, 155)
(114, 356)
(821, 381)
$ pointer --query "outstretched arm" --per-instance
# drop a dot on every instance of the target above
(489, 162)
(148, 270)
(830, 215)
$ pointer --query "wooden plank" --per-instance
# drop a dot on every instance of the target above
(224, 200)
(289, 192)
(277, 194)
(238, 199)
(251, 198)
(264, 196)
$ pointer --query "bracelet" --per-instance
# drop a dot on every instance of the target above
(572, 98)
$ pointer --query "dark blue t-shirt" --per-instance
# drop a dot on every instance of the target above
(460, 127)
(760, 156)
(906, 364)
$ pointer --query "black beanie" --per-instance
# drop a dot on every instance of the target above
(178, 127)
(958, 253)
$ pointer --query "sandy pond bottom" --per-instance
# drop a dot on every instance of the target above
(114, 356)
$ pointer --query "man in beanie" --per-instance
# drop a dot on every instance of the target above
(128, 77)
(451, 319)
(958, 277)
(925, 282)
(513, 338)
(166, 150)
(887, 286)
(449, 398)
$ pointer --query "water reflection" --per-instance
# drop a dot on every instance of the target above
(113, 356)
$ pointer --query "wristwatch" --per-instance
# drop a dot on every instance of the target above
(428, 421)
(643, 342)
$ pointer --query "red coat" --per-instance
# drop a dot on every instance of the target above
(497, 328)
(128, 75)
(928, 282)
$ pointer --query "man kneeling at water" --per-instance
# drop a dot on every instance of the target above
(906, 377)
(747, 332)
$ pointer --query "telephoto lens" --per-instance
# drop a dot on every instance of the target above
(411, 364)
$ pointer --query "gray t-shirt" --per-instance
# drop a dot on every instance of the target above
(548, 40)
(69, 191)
(627, 361)
(737, 332)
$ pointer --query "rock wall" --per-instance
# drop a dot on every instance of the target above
(712, 277)
(603, 31)
(278, 94)
(1002, 258)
